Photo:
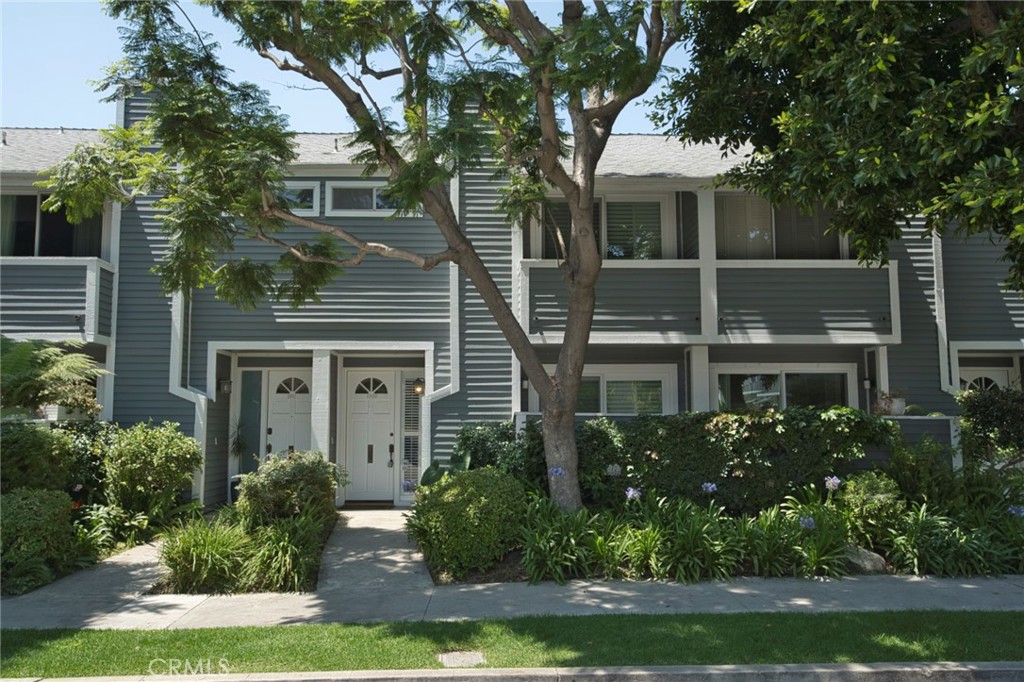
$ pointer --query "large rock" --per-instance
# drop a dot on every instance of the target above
(860, 561)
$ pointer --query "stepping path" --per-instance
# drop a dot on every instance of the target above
(371, 572)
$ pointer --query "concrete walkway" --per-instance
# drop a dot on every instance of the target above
(371, 572)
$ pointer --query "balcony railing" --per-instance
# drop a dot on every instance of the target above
(56, 299)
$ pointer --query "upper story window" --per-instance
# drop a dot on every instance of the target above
(353, 198)
(26, 230)
(303, 197)
(748, 228)
(626, 230)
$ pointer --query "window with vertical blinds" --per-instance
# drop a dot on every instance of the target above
(634, 230)
(555, 221)
(802, 236)
(743, 227)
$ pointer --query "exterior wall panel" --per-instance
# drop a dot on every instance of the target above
(816, 301)
(978, 308)
(628, 300)
(46, 300)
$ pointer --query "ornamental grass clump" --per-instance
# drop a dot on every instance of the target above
(468, 520)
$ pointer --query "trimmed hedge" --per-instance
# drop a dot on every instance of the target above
(289, 485)
(38, 542)
(467, 521)
(32, 456)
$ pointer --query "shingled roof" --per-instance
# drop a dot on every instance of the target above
(30, 150)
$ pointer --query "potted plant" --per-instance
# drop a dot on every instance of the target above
(890, 403)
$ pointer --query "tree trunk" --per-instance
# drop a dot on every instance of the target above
(559, 427)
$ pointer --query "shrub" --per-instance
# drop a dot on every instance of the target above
(204, 557)
(484, 444)
(467, 521)
(701, 543)
(286, 554)
(108, 527)
(147, 468)
(923, 471)
(557, 545)
(768, 543)
(37, 373)
(37, 540)
(872, 500)
(32, 456)
(823, 534)
(993, 426)
(289, 485)
(89, 442)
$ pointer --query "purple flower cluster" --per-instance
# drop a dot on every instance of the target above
(832, 483)
(1017, 510)
(632, 493)
(807, 522)
(709, 488)
(407, 486)
(556, 471)
(614, 470)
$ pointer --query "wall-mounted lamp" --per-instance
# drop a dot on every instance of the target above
(418, 387)
(224, 386)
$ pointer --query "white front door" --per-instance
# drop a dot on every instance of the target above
(370, 434)
(289, 407)
(981, 379)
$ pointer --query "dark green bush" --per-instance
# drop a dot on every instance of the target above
(109, 527)
(89, 442)
(32, 456)
(485, 444)
(467, 521)
(993, 427)
(38, 542)
(289, 485)
(872, 500)
(923, 471)
(149, 467)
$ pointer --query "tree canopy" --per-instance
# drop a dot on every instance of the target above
(882, 109)
(469, 81)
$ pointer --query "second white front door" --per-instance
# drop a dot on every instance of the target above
(289, 406)
(370, 434)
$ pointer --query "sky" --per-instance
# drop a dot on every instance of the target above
(50, 52)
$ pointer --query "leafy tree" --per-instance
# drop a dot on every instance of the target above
(36, 373)
(882, 109)
(224, 151)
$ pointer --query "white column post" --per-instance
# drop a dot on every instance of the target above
(320, 428)
(708, 277)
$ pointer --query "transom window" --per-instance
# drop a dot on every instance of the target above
(624, 389)
(303, 198)
(627, 230)
(371, 386)
(292, 386)
(748, 228)
(359, 199)
(744, 387)
(27, 230)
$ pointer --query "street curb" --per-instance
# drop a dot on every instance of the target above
(1000, 671)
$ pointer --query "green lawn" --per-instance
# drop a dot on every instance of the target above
(530, 642)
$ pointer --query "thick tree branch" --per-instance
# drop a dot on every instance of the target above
(983, 19)
(284, 64)
(310, 258)
(419, 260)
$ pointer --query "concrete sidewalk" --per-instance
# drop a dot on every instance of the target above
(371, 572)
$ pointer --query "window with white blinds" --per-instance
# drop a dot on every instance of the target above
(802, 236)
(743, 227)
(410, 435)
(555, 222)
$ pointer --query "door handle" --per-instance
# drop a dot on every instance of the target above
(369, 453)
(269, 449)
(391, 455)
(270, 430)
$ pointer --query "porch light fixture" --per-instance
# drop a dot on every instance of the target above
(418, 387)
(224, 386)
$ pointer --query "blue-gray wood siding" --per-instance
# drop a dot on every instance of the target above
(628, 300)
(144, 325)
(218, 442)
(44, 300)
(978, 307)
(105, 294)
(486, 378)
(814, 301)
(914, 363)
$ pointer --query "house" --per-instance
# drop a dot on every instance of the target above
(707, 299)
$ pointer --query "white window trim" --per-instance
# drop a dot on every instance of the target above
(375, 186)
(306, 184)
(667, 374)
(668, 232)
(781, 369)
